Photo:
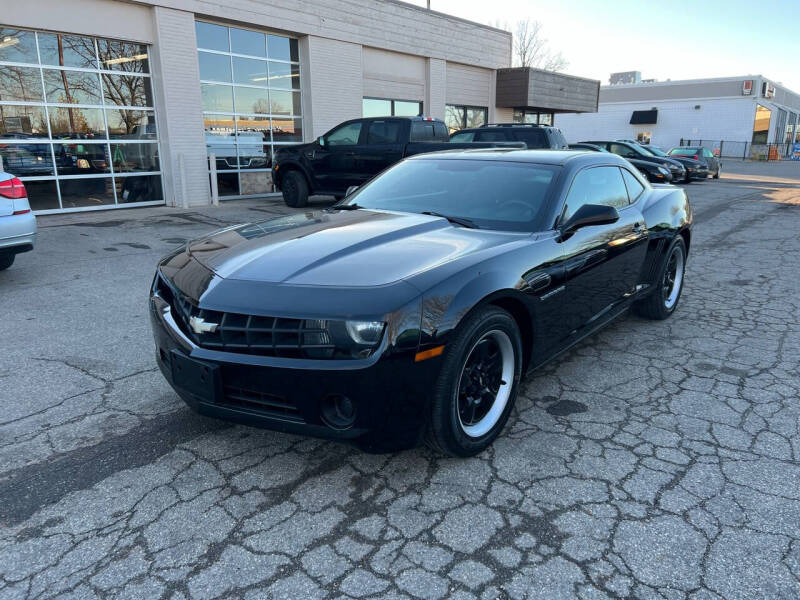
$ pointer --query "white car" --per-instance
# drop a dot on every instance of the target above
(17, 222)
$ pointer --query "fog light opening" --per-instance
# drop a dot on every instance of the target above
(338, 411)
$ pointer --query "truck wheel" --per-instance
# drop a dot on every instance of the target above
(6, 260)
(295, 189)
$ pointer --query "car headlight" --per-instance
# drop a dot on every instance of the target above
(343, 339)
(663, 171)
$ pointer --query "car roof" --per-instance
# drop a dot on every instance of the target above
(505, 126)
(542, 157)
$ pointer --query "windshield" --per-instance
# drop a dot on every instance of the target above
(655, 151)
(683, 151)
(491, 194)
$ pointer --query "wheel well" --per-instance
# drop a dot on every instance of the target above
(686, 238)
(290, 168)
(521, 315)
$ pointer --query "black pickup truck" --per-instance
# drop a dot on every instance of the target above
(355, 151)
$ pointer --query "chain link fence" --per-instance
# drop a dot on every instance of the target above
(744, 150)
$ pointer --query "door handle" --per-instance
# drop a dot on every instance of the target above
(637, 228)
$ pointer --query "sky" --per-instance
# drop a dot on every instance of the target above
(678, 39)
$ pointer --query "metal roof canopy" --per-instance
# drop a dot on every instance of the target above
(529, 88)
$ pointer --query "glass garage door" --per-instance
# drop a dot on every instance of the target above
(77, 122)
(250, 83)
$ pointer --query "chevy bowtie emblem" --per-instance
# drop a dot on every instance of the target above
(198, 325)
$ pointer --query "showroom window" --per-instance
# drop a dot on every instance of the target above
(77, 122)
(383, 107)
(460, 117)
(532, 116)
(250, 86)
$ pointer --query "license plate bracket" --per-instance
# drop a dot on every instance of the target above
(199, 378)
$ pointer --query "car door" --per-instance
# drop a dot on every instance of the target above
(382, 147)
(333, 159)
(602, 262)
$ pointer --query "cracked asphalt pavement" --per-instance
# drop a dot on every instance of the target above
(654, 460)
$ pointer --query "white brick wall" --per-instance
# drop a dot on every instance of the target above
(336, 91)
(436, 86)
(717, 119)
(176, 82)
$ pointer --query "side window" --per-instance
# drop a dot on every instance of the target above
(559, 141)
(596, 185)
(635, 188)
(440, 131)
(422, 131)
(490, 136)
(383, 132)
(707, 153)
(347, 135)
(622, 150)
(533, 137)
(464, 136)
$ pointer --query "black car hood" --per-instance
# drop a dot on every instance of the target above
(341, 248)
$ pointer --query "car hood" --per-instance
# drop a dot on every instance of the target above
(686, 161)
(341, 248)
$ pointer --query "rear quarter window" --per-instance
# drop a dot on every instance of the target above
(533, 138)
(428, 131)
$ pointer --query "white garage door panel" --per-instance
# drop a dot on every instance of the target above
(393, 75)
(469, 85)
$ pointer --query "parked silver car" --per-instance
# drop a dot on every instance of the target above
(17, 222)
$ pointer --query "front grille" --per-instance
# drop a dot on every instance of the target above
(260, 402)
(250, 334)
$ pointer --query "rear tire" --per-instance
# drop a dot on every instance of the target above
(716, 175)
(295, 189)
(478, 384)
(661, 303)
(6, 260)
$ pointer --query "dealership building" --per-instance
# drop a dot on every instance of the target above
(738, 116)
(110, 103)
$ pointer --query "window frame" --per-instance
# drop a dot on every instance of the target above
(463, 108)
(561, 219)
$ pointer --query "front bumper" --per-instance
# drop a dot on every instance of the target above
(389, 390)
(698, 173)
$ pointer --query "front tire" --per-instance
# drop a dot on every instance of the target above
(295, 189)
(661, 303)
(478, 384)
(6, 260)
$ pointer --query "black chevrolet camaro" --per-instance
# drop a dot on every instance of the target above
(412, 310)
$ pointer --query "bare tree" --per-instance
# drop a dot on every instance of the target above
(531, 49)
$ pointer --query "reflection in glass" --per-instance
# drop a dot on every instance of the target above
(248, 42)
(476, 117)
(375, 107)
(128, 158)
(249, 71)
(251, 100)
(287, 130)
(94, 191)
(761, 124)
(253, 154)
(17, 45)
(26, 160)
(67, 50)
(214, 67)
(454, 117)
(42, 195)
(284, 75)
(281, 48)
(212, 37)
(71, 87)
(20, 83)
(131, 124)
(141, 188)
(284, 103)
(228, 184)
(407, 109)
(127, 90)
(79, 123)
(252, 124)
(217, 97)
(117, 55)
(81, 159)
(220, 140)
(22, 121)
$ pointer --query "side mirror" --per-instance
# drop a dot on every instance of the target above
(321, 140)
(590, 214)
(350, 190)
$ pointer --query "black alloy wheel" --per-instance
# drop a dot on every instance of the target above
(663, 300)
(477, 385)
(295, 189)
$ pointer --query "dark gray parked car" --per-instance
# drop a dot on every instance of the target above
(704, 155)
